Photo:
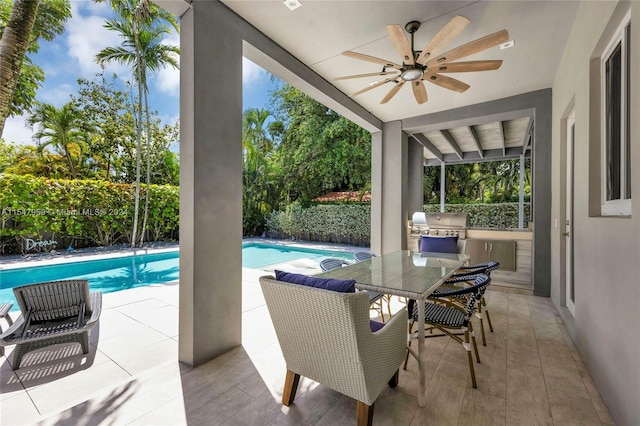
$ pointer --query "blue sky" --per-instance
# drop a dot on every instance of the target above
(71, 56)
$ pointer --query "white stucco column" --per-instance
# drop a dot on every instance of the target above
(415, 163)
(210, 185)
(376, 193)
(521, 195)
(389, 183)
(443, 185)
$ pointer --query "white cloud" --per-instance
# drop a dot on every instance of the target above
(16, 130)
(251, 73)
(93, 8)
(57, 96)
(86, 37)
(168, 78)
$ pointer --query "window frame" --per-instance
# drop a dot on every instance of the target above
(620, 206)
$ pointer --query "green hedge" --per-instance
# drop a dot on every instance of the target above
(498, 215)
(339, 223)
(351, 223)
(80, 213)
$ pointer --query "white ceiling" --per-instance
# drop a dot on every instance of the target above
(319, 31)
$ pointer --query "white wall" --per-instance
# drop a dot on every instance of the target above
(606, 329)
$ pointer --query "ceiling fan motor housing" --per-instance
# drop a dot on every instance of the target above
(412, 72)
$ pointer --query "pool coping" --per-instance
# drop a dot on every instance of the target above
(99, 253)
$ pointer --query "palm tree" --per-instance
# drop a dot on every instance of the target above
(61, 128)
(257, 146)
(139, 26)
(15, 40)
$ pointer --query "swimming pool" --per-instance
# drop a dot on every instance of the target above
(121, 273)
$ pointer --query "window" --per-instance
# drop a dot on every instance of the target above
(616, 118)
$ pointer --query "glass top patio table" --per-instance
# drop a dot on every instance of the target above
(402, 273)
(405, 274)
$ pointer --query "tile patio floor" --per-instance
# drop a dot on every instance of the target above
(530, 374)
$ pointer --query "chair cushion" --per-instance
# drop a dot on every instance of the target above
(439, 244)
(342, 286)
(375, 325)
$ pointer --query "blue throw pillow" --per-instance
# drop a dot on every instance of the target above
(375, 325)
(439, 244)
(342, 286)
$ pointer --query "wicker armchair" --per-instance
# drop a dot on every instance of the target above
(51, 313)
(326, 336)
(375, 299)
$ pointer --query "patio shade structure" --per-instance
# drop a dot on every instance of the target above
(552, 71)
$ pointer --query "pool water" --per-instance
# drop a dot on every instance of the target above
(257, 255)
(121, 273)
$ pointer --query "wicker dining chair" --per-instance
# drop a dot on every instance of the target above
(375, 299)
(452, 319)
(466, 274)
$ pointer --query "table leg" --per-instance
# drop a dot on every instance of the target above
(422, 386)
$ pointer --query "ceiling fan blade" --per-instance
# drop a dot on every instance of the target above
(371, 74)
(392, 92)
(443, 37)
(373, 59)
(372, 86)
(467, 66)
(419, 91)
(446, 82)
(470, 48)
(396, 32)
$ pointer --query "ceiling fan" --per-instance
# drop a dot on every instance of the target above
(419, 66)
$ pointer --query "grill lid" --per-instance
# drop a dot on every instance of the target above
(446, 220)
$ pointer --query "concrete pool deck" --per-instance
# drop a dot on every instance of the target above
(97, 253)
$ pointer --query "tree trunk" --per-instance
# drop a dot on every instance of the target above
(67, 155)
(13, 45)
(146, 198)
(138, 140)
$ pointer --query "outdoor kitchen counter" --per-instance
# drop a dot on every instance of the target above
(511, 275)
(499, 234)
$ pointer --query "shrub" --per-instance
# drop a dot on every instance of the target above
(340, 223)
(498, 215)
(79, 212)
(351, 223)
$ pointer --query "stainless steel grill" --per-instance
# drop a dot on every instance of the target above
(437, 224)
(447, 224)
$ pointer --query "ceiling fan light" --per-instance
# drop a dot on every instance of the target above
(412, 74)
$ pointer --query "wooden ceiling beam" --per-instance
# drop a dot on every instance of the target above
(527, 136)
(452, 142)
(473, 157)
(429, 145)
(502, 138)
(476, 140)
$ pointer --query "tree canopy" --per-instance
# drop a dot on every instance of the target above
(23, 23)
(320, 150)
